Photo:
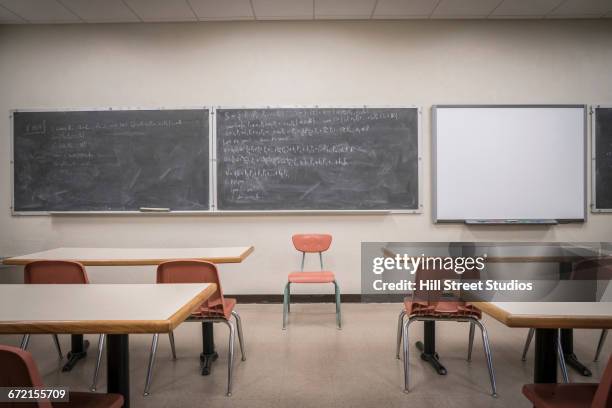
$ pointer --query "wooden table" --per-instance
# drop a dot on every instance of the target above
(547, 318)
(134, 257)
(511, 252)
(116, 310)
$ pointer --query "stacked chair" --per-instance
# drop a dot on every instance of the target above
(435, 306)
(217, 309)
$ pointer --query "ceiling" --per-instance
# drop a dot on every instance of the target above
(124, 11)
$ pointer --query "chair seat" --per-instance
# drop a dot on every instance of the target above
(312, 277)
(560, 395)
(442, 309)
(215, 311)
(91, 400)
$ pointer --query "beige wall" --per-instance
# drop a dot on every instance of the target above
(414, 62)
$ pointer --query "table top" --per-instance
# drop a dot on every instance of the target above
(134, 256)
(98, 308)
(553, 315)
(516, 253)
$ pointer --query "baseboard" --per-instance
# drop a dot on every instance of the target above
(328, 298)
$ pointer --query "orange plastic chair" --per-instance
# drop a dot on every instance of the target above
(311, 243)
(60, 272)
(18, 369)
(427, 305)
(216, 309)
(572, 395)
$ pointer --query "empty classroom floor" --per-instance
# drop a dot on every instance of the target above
(314, 365)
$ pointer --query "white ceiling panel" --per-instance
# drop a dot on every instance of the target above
(222, 9)
(582, 8)
(7, 17)
(465, 8)
(404, 8)
(162, 10)
(344, 8)
(41, 11)
(101, 11)
(283, 9)
(525, 8)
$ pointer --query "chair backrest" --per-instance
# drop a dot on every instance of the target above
(603, 395)
(18, 369)
(312, 242)
(55, 272)
(194, 271)
(430, 295)
(592, 269)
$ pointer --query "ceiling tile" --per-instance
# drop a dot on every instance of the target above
(162, 10)
(100, 11)
(279, 9)
(344, 8)
(40, 11)
(526, 8)
(404, 8)
(222, 9)
(7, 17)
(577, 8)
(465, 8)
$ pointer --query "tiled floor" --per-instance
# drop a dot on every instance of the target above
(314, 365)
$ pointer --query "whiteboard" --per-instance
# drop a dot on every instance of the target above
(510, 162)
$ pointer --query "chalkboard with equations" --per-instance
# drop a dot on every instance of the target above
(110, 160)
(602, 164)
(317, 159)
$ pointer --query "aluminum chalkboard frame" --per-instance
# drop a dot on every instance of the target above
(212, 176)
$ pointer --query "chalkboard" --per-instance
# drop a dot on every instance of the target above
(110, 160)
(602, 152)
(317, 159)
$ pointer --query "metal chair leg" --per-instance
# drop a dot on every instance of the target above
(400, 323)
(338, 313)
(527, 343)
(230, 359)
(286, 304)
(151, 363)
(405, 338)
(602, 340)
(172, 347)
(488, 355)
(471, 341)
(25, 340)
(240, 335)
(58, 347)
(94, 382)
(561, 358)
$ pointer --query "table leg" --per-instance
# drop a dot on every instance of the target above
(567, 343)
(428, 348)
(567, 335)
(78, 351)
(545, 367)
(209, 355)
(118, 361)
